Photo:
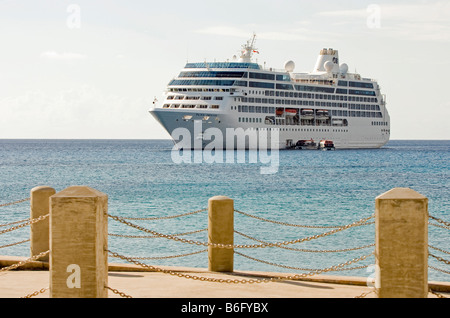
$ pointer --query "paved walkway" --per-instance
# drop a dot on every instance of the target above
(159, 285)
(134, 281)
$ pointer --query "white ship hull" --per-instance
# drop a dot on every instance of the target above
(354, 136)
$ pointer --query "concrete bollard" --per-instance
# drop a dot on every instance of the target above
(401, 222)
(39, 231)
(220, 231)
(78, 243)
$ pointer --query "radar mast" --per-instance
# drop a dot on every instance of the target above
(248, 49)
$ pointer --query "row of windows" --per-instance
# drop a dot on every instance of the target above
(198, 89)
(261, 84)
(266, 76)
(212, 74)
(249, 120)
(259, 120)
(269, 86)
(321, 96)
(298, 102)
(284, 102)
(354, 92)
(222, 65)
(360, 92)
(207, 82)
(229, 74)
(182, 97)
(306, 88)
(190, 106)
(271, 110)
(379, 123)
(355, 84)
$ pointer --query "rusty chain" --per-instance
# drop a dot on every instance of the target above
(15, 202)
(289, 224)
(237, 281)
(42, 217)
(230, 246)
(115, 291)
(17, 243)
(297, 268)
(440, 259)
(170, 256)
(20, 221)
(37, 292)
(442, 224)
(307, 250)
(155, 236)
(29, 260)
(165, 217)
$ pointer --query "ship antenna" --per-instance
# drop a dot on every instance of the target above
(248, 49)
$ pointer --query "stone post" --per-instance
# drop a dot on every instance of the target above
(78, 243)
(220, 231)
(39, 231)
(401, 222)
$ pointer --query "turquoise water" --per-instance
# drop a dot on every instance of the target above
(311, 187)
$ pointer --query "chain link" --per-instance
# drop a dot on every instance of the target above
(297, 268)
(171, 256)
(165, 217)
(289, 224)
(445, 225)
(155, 236)
(17, 243)
(15, 202)
(237, 281)
(307, 250)
(439, 249)
(37, 292)
(438, 269)
(42, 217)
(440, 259)
(8, 224)
(29, 260)
(367, 293)
(230, 246)
(115, 291)
(436, 293)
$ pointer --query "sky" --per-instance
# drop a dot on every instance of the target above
(91, 69)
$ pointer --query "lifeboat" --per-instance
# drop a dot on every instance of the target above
(322, 114)
(307, 113)
(326, 145)
(306, 144)
(279, 111)
(337, 122)
(290, 112)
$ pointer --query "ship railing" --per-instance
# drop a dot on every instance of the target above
(220, 210)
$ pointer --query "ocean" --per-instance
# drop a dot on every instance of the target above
(319, 189)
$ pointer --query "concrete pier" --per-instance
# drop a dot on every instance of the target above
(78, 266)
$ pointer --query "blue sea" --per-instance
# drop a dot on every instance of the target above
(315, 188)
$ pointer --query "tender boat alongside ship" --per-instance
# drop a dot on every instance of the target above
(329, 104)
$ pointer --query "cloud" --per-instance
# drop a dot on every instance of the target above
(83, 112)
(53, 55)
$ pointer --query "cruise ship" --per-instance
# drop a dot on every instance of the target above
(240, 104)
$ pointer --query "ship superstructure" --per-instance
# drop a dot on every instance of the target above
(328, 103)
